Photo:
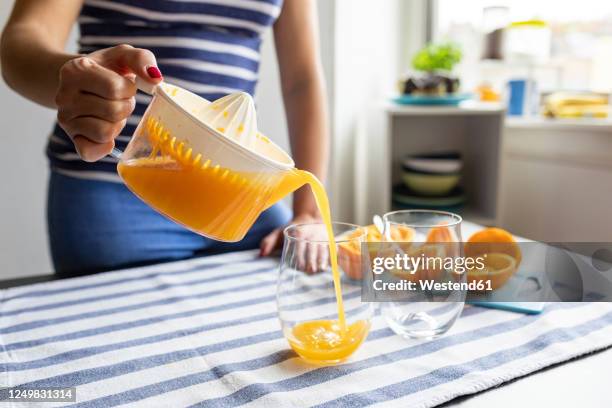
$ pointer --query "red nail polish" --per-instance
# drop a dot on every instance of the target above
(154, 72)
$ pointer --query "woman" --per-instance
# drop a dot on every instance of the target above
(210, 47)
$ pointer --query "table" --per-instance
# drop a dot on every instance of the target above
(203, 332)
(579, 383)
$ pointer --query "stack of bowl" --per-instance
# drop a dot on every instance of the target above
(430, 181)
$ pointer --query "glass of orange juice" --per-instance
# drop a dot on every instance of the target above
(320, 309)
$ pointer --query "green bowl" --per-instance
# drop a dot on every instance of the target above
(430, 184)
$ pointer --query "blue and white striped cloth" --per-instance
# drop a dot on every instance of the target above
(204, 332)
(210, 47)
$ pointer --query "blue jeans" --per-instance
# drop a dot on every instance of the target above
(96, 226)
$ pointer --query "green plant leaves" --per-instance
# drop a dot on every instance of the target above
(437, 57)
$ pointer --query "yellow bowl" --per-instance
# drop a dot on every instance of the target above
(430, 184)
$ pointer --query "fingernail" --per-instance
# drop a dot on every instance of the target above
(154, 72)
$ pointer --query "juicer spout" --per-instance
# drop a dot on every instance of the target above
(287, 183)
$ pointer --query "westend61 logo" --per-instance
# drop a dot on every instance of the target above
(424, 273)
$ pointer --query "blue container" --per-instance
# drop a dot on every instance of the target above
(522, 99)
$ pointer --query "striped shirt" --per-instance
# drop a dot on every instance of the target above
(210, 47)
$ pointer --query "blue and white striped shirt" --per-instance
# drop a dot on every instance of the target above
(210, 47)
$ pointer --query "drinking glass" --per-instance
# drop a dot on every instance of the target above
(306, 297)
(425, 313)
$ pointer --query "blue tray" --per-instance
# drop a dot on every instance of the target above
(452, 100)
(519, 307)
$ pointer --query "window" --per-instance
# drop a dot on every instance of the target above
(574, 41)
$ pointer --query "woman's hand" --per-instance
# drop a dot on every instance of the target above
(274, 240)
(311, 258)
(96, 96)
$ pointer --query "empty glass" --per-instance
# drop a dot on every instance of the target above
(436, 234)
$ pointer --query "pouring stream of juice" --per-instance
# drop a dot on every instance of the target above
(323, 204)
(324, 341)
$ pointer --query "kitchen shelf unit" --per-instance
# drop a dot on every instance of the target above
(474, 129)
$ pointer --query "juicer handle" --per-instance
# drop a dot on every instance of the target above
(147, 88)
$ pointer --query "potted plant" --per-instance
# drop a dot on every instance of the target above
(437, 62)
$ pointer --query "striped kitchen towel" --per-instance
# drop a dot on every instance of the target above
(204, 332)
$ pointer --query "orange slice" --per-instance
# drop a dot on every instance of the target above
(440, 234)
(398, 233)
(493, 240)
(444, 236)
(499, 267)
(349, 253)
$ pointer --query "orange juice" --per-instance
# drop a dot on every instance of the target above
(320, 341)
(209, 200)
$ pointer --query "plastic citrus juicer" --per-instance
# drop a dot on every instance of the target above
(204, 164)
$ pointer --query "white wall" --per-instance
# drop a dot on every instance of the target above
(366, 68)
(23, 235)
